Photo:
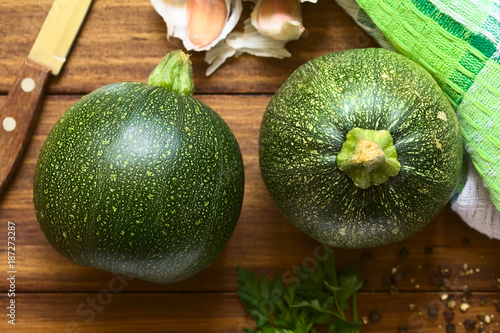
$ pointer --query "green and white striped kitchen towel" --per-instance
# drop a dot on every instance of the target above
(458, 43)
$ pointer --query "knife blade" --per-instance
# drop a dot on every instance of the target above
(47, 56)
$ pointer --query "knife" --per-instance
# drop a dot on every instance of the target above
(47, 56)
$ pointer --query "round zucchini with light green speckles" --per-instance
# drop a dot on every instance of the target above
(141, 179)
(360, 148)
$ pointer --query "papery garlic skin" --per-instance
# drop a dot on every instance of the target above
(177, 14)
(278, 19)
(171, 11)
(198, 22)
(250, 41)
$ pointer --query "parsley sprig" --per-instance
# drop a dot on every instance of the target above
(317, 297)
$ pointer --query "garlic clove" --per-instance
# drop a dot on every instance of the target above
(249, 41)
(206, 19)
(198, 22)
(278, 19)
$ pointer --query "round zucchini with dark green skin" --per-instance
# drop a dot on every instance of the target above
(360, 148)
(140, 179)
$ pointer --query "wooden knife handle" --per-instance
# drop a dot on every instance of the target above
(18, 116)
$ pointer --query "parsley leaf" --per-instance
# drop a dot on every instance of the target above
(318, 296)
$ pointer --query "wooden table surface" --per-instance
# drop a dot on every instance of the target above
(123, 41)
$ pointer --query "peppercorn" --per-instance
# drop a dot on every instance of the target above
(469, 324)
(374, 316)
(484, 318)
(432, 312)
(448, 315)
(450, 328)
(403, 329)
(437, 280)
(403, 253)
(467, 292)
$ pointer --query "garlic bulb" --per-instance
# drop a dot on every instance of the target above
(200, 24)
(206, 25)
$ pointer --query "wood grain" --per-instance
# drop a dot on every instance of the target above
(216, 312)
(19, 114)
(123, 41)
(263, 239)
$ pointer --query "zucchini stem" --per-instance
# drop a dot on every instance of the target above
(174, 73)
(368, 157)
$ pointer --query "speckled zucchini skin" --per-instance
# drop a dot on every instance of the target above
(140, 181)
(306, 123)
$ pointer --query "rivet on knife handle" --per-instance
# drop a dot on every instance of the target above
(18, 116)
(48, 54)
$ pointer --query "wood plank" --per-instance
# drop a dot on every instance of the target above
(125, 40)
(263, 240)
(214, 312)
